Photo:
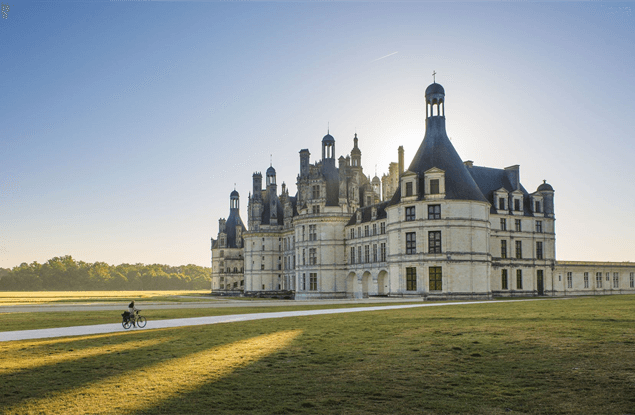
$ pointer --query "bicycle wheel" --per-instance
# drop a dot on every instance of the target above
(141, 321)
(126, 324)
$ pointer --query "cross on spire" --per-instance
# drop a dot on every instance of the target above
(434, 80)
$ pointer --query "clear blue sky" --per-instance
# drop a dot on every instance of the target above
(124, 125)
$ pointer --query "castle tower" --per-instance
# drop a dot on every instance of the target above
(356, 154)
(328, 151)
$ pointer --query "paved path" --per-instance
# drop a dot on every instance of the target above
(197, 321)
(205, 303)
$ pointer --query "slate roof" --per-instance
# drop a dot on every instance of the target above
(436, 150)
(490, 179)
(367, 213)
(233, 221)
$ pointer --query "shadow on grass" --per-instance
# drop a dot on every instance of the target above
(63, 377)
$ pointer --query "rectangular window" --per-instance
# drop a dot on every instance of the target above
(434, 211)
(383, 228)
(312, 256)
(359, 232)
(518, 224)
(569, 280)
(504, 279)
(537, 206)
(503, 249)
(304, 257)
(436, 279)
(616, 280)
(501, 203)
(359, 254)
(598, 280)
(411, 243)
(586, 280)
(434, 242)
(503, 224)
(519, 249)
(539, 226)
(434, 186)
(352, 254)
(303, 229)
(374, 229)
(538, 250)
(519, 279)
(411, 279)
(367, 254)
(303, 282)
(516, 204)
(366, 231)
(313, 281)
(409, 189)
(383, 251)
(352, 233)
(262, 267)
(632, 280)
(374, 252)
(312, 232)
(316, 209)
(316, 192)
(410, 213)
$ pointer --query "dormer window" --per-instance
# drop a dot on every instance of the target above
(373, 214)
(517, 197)
(537, 204)
(502, 201)
(435, 183)
(316, 191)
(409, 189)
(434, 186)
(359, 218)
(409, 182)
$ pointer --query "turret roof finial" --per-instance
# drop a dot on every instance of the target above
(434, 79)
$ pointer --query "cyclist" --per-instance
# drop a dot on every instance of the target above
(131, 312)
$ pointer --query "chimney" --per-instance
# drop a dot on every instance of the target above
(513, 174)
(400, 151)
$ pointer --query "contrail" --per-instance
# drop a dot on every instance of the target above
(383, 57)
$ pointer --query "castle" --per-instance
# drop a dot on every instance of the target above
(441, 229)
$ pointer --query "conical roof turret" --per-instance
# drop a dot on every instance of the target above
(436, 150)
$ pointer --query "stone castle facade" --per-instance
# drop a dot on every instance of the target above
(442, 228)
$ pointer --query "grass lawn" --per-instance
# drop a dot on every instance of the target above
(51, 297)
(572, 356)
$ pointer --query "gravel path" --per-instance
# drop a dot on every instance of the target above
(197, 321)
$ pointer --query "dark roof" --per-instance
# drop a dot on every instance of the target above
(266, 209)
(435, 89)
(328, 138)
(367, 213)
(233, 221)
(545, 187)
(332, 177)
(490, 179)
(234, 194)
(436, 150)
(271, 171)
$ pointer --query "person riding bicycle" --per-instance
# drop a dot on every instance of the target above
(131, 312)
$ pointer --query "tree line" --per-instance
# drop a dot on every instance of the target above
(66, 274)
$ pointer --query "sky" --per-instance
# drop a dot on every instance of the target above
(125, 125)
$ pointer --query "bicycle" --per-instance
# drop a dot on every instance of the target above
(135, 319)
